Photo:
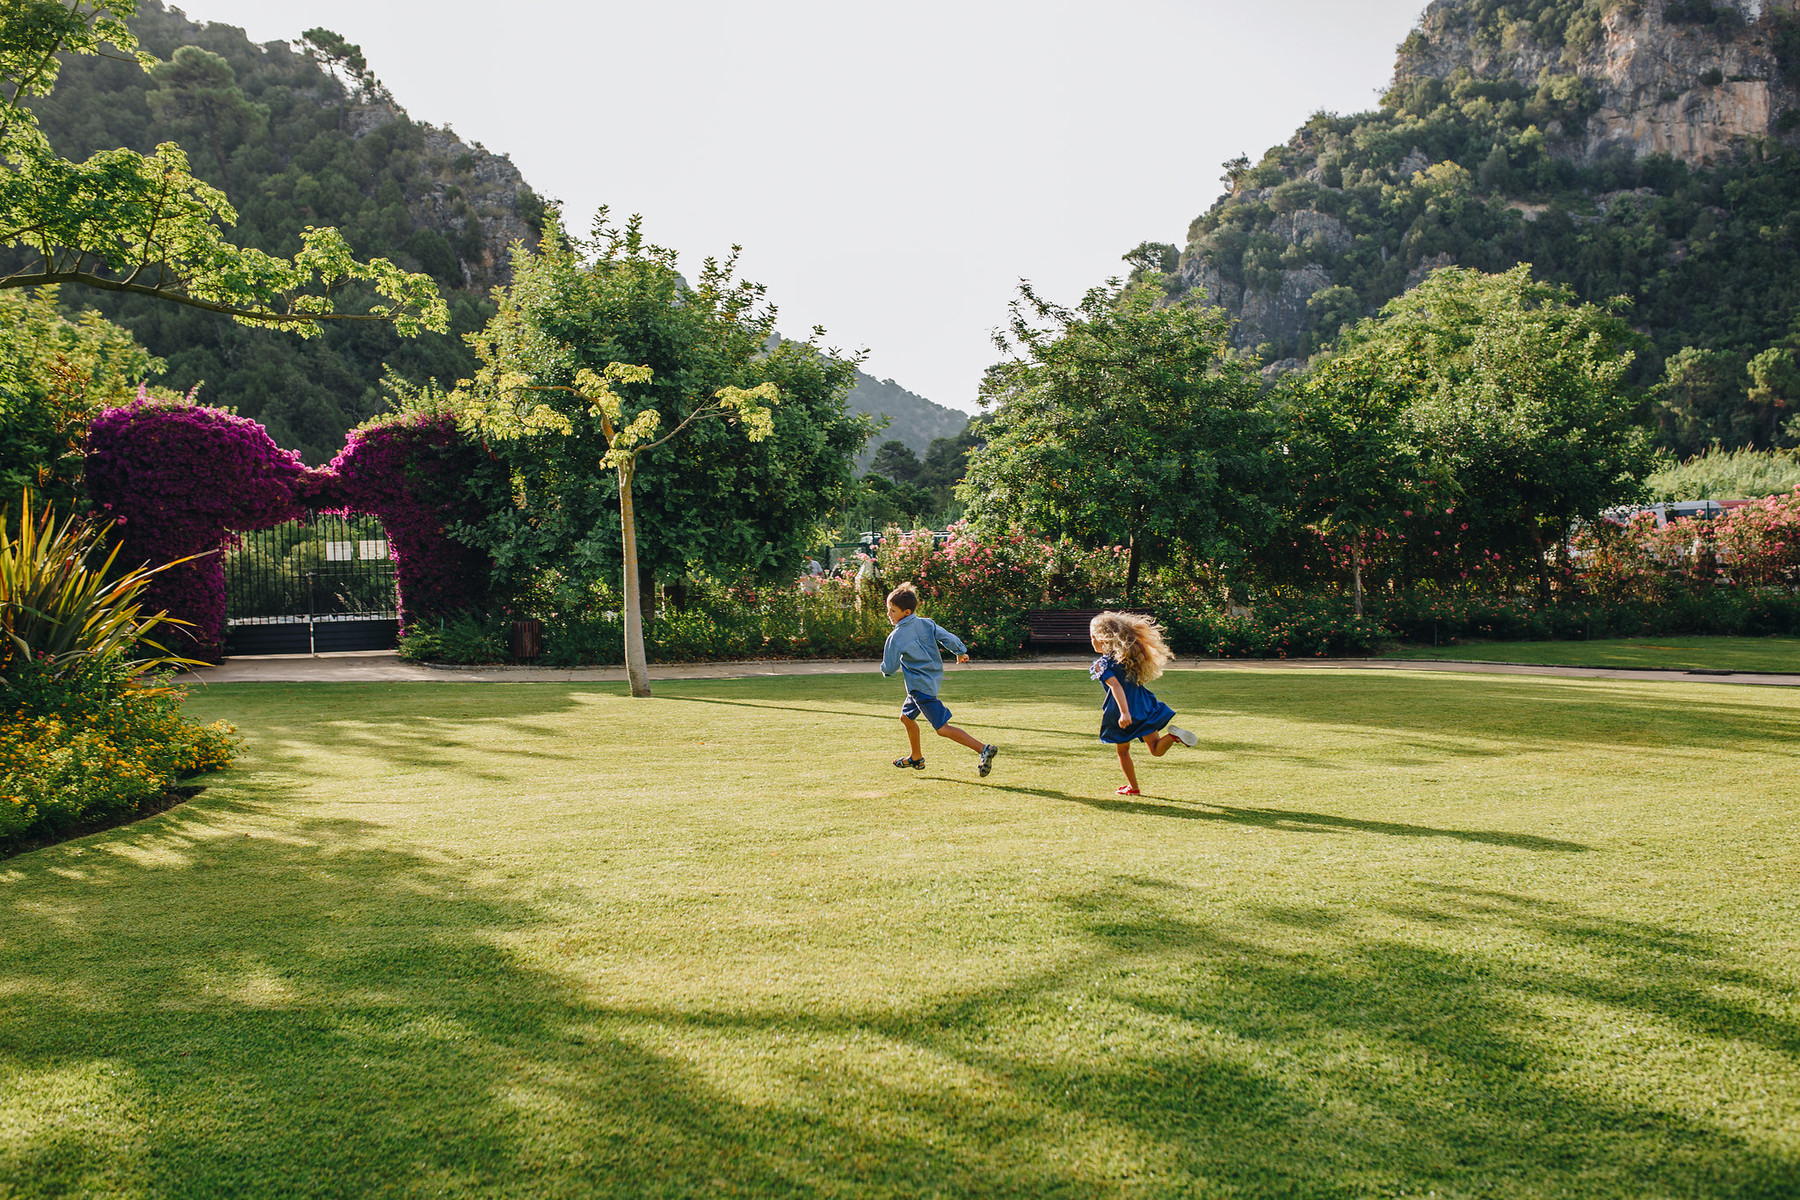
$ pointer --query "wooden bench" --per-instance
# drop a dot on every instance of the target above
(1064, 626)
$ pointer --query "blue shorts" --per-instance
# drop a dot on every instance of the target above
(932, 708)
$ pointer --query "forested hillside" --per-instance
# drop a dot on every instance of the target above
(912, 419)
(1626, 148)
(297, 140)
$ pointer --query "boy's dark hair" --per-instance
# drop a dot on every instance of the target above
(905, 598)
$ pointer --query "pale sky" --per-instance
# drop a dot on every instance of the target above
(891, 170)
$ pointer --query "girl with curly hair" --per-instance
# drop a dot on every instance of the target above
(1133, 653)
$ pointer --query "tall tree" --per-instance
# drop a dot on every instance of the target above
(1124, 421)
(1513, 392)
(197, 90)
(143, 224)
(897, 461)
(1353, 464)
(598, 347)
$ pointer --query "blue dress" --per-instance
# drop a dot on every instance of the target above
(1148, 714)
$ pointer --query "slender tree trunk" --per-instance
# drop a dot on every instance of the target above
(1131, 569)
(1356, 574)
(637, 668)
(1543, 564)
(212, 135)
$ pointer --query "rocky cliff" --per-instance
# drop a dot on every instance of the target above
(476, 199)
(1693, 81)
(1592, 138)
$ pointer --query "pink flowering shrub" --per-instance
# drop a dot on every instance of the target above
(978, 588)
(1753, 546)
(1758, 545)
(410, 473)
(178, 478)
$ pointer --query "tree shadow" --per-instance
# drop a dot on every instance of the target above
(317, 1013)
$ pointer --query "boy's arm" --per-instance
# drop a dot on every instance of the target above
(890, 656)
(950, 641)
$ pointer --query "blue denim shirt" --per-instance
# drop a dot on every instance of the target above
(913, 650)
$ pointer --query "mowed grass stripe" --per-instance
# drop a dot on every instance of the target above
(1775, 655)
(1377, 934)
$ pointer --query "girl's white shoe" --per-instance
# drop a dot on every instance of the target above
(1187, 737)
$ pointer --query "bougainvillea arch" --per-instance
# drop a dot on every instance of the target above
(411, 472)
(178, 478)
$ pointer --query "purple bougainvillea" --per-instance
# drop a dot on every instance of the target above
(178, 478)
(410, 473)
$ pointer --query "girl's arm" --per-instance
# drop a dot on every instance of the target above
(1119, 698)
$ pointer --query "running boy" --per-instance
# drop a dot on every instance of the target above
(913, 650)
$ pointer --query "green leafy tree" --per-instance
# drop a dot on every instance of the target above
(1513, 392)
(197, 90)
(945, 464)
(343, 57)
(897, 461)
(1774, 395)
(609, 383)
(1122, 421)
(142, 224)
(1353, 463)
(393, 187)
(56, 373)
(1700, 401)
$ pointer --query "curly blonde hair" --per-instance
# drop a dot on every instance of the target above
(1135, 643)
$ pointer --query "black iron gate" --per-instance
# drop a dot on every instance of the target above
(317, 586)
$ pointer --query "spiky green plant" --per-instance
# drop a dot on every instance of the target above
(56, 606)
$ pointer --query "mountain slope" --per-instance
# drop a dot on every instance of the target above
(912, 418)
(1644, 150)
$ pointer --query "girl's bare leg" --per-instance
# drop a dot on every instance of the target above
(1125, 764)
(1159, 743)
(912, 735)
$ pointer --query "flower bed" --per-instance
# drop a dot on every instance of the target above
(91, 743)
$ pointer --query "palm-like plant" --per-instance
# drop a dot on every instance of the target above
(56, 606)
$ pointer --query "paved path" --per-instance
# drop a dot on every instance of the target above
(385, 666)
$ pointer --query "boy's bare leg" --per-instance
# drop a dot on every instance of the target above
(912, 735)
(1125, 763)
(958, 736)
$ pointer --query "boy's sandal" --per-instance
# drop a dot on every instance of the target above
(917, 764)
(1127, 790)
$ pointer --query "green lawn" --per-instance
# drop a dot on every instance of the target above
(1671, 653)
(1378, 935)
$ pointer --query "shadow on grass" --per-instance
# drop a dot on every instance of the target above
(320, 1014)
(1287, 820)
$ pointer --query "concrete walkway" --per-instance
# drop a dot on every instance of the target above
(385, 667)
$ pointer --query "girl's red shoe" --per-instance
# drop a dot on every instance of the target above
(1128, 790)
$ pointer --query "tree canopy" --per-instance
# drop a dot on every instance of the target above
(1498, 394)
(711, 500)
(1123, 421)
(143, 224)
(56, 373)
